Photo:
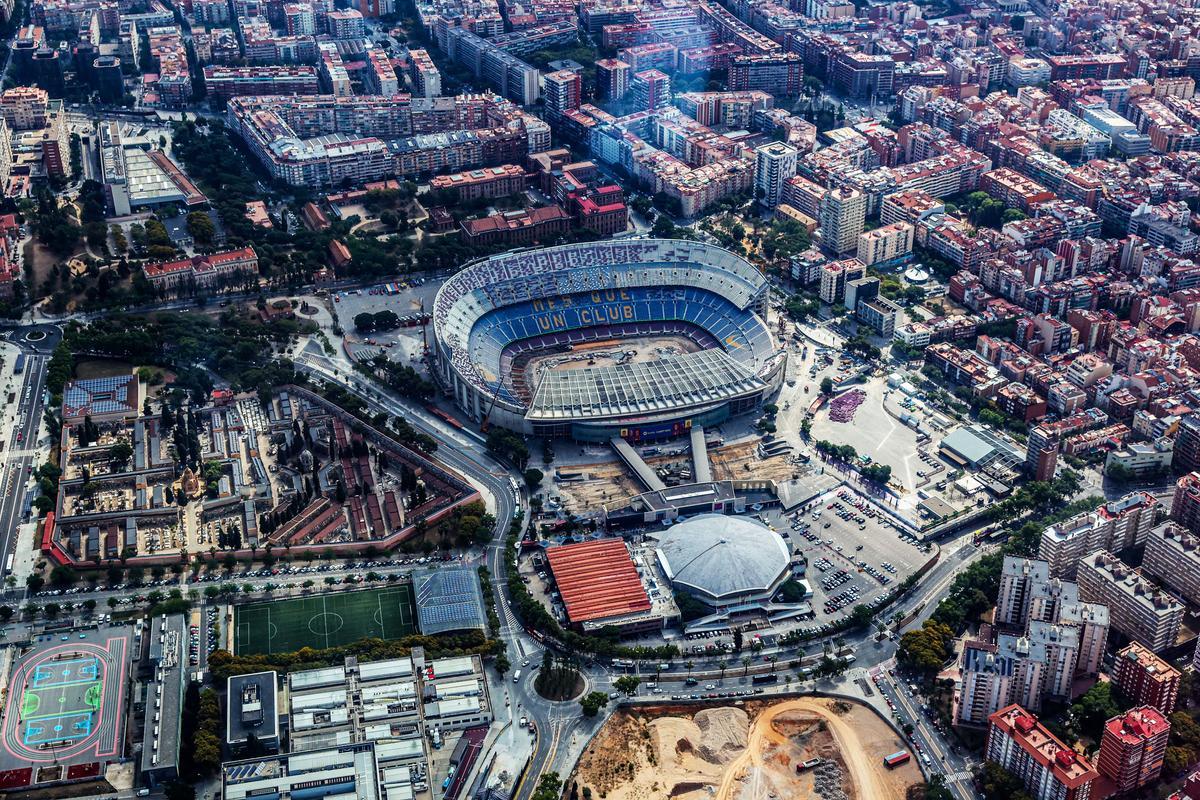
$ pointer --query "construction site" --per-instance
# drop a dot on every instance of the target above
(804, 747)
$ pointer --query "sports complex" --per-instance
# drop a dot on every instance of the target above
(641, 338)
(65, 709)
(321, 621)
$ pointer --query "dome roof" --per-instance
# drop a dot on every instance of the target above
(720, 556)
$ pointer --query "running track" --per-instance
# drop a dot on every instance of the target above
(105, 739)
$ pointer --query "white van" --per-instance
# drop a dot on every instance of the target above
(517, 676)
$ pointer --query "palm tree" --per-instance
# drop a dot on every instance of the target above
(723, 665)
(689, 665)
(745, 666)
(773, 659)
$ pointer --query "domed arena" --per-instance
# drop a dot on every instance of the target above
(724, 561)
(639, 338)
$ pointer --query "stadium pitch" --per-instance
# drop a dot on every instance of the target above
(332, 620)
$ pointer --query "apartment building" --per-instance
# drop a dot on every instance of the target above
(1047, 768)
(1115, 526)
(1137, 608)
(1047, 637)
(1145, 679)
(1132, 748)
(886, 246)
(227, 82)
(346, 24)
(500, 181)
(1185, 502)
(774, 163)
(836, 275)
(780, 74)
(1173, 557)
(841, 215)
(25, 108)
(1028, 592)
(426, 80)
(1041, 460)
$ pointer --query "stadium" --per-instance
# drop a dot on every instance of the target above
(641, 338)
(724, 562)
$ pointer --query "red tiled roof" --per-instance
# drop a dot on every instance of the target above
(597, 579)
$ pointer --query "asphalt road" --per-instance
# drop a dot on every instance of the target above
(20, 451)
(557, 727)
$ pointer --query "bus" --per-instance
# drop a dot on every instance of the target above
(19, 364)
(770, 678)
(8, 565)
(896, 759)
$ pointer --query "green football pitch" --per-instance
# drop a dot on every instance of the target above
(332, 620)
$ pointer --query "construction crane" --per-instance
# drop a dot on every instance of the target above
(487, 415)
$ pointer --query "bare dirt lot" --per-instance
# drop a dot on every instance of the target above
(740, 462)
(746, 752)
(609, 483)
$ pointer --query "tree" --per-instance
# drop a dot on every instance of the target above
(200, 226)
(826, 386)
(63, 576)
(1098, 705)
(1119, 473)
(35, 583)
(549, 787)
(120, 453)
(178, 790)
(533, 478)
(627, 684)
(861, 616)
(592, 702)
(926, 649)
(999, 784)
(6, 613)
(1177, 760)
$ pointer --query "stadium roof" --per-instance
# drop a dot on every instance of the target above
(448, 600)
(645, 387)
(719, 556)
(597, 580)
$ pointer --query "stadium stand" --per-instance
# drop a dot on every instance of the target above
(492, 315)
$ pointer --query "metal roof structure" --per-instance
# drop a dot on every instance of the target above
(448, 599)
(115, 394)
(719, 557)
(646, 387)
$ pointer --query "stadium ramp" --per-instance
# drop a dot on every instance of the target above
(701, 470)
(640, 469)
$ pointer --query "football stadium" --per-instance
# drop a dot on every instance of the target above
(641, 338)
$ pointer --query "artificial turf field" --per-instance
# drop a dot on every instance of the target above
(331, 620)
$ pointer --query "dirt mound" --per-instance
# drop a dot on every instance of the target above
(724, 733)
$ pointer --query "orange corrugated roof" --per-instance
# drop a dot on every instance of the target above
(597, 579)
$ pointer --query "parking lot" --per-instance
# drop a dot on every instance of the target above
(855, 551)
(401, 344)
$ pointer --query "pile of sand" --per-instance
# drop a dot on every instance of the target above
(724, 733)
(714, 735)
